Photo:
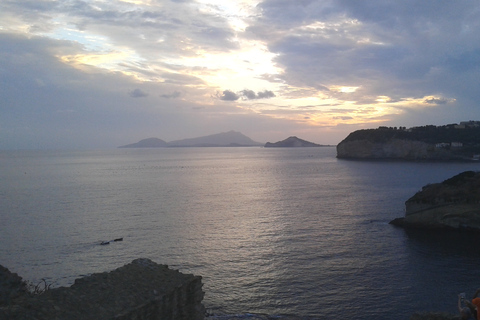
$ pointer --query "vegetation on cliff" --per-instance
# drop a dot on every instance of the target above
(468, 135)
(464, 187)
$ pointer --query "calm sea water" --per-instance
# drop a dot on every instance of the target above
(281, 232)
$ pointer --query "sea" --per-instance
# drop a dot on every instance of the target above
(275, 233)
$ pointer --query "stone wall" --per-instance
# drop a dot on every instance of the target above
(141, 290)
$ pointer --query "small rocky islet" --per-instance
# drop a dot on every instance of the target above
(293, 142)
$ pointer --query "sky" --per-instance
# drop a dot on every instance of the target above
(103, 73)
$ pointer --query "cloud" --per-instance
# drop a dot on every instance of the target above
(376, 62)
(173, 95)
(265, 94)
(246, 94)
(181, 79)
(396, 49)
(152, 32)
(137, 93)
(436, 100)
(228, 95)
(250, 95)
(343, 118)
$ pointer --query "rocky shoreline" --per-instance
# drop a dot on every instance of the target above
(141, 290)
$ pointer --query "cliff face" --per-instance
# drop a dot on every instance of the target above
(446, 215)
(392, 149)
(452, 204)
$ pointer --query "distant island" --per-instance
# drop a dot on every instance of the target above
(451, 204)
(452, 142)
(224, 139)
(147, 143)
(292, 142)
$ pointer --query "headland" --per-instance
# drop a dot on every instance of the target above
(452, 142)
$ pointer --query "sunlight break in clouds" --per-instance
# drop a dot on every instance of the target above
(245, 63)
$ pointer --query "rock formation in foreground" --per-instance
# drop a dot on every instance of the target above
(292, 142)
(11, 287)
(452, 204)
(139, 290)
(453, 142)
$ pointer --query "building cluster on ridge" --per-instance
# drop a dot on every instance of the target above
(462, 125)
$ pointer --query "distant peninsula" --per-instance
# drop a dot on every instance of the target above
(224, 139)
(292, 142)
(451, 204)
(452, 142)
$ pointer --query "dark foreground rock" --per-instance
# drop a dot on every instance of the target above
(11, 287)
(140, 290)
(452, 204)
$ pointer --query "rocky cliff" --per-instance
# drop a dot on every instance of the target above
(390, 149)
(396, 149)
(444, 143)
(452, 204)
(140, 290)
